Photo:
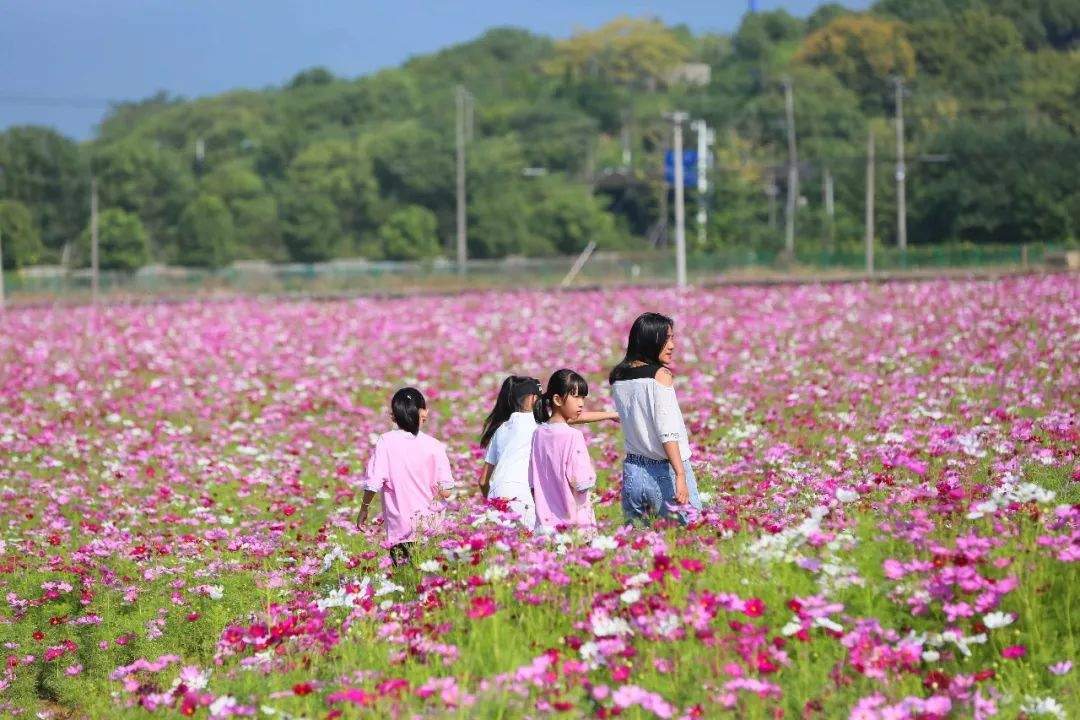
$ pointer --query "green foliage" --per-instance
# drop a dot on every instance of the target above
(45, 171)
(410, 234)
(206, 234)
(330, 161)
(1004, 182)
(19, 239)
(311, 227)
(146, 180)
(568, 217)
(123, 243)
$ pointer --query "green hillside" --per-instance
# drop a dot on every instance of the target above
(327, 167)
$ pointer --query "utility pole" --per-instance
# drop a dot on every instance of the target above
(793, 169)
(830, 210)
(677, 119)
(870, 204)
(464, 108)
(93, 241)
(704, 140)
(2, 267)
(901, 170)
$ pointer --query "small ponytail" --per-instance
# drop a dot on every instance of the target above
(405, 407)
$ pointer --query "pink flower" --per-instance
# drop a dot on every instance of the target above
(754, 607)
(1061, 668)
(356, 696)
(1014, 651)
(481, 607)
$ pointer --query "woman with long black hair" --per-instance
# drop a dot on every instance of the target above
(658, 479)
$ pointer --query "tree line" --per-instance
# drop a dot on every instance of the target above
(568, 139)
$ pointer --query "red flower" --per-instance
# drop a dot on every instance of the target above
(937, 680)
(38, 635)
(984, 675)
(481, 607)
(288, 510)
(302, 689)
(754, 607)
(692, 565)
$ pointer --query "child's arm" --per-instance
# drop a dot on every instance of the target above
(579, 471)
(588, 417)
(361, 517)
(485, 479)
(444, 477)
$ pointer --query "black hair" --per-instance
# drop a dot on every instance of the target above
(648, 335)
(406, 406)
(562, 382)
(512, 394)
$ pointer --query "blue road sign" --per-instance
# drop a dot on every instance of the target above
(689, 167)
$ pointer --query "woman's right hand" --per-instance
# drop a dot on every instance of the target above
(682, 492)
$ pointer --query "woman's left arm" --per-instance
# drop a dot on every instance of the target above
(588, 417)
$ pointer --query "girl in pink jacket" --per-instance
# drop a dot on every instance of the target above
(411, 472)
(560, 470)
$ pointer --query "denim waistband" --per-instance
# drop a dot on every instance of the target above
(642, 460)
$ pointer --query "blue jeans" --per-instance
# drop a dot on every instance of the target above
(648, 488)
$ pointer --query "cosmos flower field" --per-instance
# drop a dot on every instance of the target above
(891, 525)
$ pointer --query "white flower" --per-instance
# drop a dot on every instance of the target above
(223, 704)
(429, 566)
(1043, 706)
(215, 592)
(603, 625)
(845, 495)
(336, 553)
(386, 587)
(828, 624)
(793, 626)
(931, 656)
(496, 572)
(630, 596)
(997, 620)
(637, 580)
(604, 542)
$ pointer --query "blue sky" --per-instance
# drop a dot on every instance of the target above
(59, 59)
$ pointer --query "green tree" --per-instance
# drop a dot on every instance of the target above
(759, 34)
(148, 181)
(46, 172)
(311, 227)
(410, 234)
(254, 211)
(123, 243)
(568, 216)
(1005, 182)
(19, 238)
(341, 172)
(974, 55)
(206, 234)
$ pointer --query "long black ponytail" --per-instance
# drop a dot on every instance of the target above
(563, 383)
(512, 394)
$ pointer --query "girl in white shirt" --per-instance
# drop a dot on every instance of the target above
(507, 435)
(658, 479)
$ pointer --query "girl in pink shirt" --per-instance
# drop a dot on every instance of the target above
(560, 470)
(411, 472)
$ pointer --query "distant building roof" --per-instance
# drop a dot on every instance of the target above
(691, 74)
